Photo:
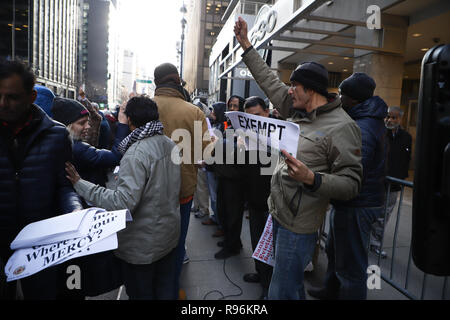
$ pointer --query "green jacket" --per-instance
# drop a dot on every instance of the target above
(329, 145)
(149, 186)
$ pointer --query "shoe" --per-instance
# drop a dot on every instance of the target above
(199, 214)
(320, 294)
(376, 250)
(225, 253)
(186, 259)
(209, 222)
(252, 277)
(195, 209)
(218, 233)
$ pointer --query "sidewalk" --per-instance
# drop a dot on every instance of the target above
(205, 278)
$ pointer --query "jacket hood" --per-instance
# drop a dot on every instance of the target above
(374, 107)
(44, 99)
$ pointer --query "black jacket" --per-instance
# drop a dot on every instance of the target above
(91, 163)
(369, 116)
(33, 183)
(399, 155)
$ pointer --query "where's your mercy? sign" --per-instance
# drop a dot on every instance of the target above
(52, 241)
(263, 132)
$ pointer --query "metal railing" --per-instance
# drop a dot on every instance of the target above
(410, 282)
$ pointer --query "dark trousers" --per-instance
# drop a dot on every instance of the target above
(42, 285)
(230, 206)
(153, 281)
(346, 249)
(185, 214)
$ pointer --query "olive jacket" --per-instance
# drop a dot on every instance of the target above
(329, 145)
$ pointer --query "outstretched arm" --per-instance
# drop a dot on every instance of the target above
(267, 80)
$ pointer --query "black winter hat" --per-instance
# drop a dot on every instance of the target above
(312, 75)
(358, 86)
(68, 111)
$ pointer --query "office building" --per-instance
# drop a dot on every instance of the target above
(44, 34)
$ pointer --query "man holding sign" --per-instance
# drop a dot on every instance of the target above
(327, 164)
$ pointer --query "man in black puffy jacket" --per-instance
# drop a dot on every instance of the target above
(33, 183)
(351, 221)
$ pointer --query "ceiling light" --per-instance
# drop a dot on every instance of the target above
(330, 62)
(345, 70)
(424, 49)
(346, 58)
(415, 35)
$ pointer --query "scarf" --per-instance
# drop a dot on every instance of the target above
(149, 129)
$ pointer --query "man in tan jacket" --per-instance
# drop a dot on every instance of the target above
(327, 164)
(180, 118)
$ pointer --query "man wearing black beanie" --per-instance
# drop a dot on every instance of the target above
(326, 166)
(346, 247)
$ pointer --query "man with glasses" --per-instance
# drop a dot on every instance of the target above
(399, 156)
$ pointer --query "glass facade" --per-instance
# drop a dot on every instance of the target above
(42, 33)
(14, 30)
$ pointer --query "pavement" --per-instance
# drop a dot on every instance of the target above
(206, 278)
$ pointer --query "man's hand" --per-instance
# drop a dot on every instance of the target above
(297, 170)
(240, 31)
(72, 173)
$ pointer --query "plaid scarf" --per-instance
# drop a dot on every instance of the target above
(150, 129)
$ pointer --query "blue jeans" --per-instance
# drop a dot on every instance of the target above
(150, 281)
(293, 252)
(185, 212)
(346, 249)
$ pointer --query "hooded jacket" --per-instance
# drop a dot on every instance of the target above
(44, 99)
(369, 115)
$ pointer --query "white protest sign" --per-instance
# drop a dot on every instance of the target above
(28, 261)
(264, 250)
(107, 244)
(264, 131)
(63, 227)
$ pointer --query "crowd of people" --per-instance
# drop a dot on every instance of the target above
(56, 155)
